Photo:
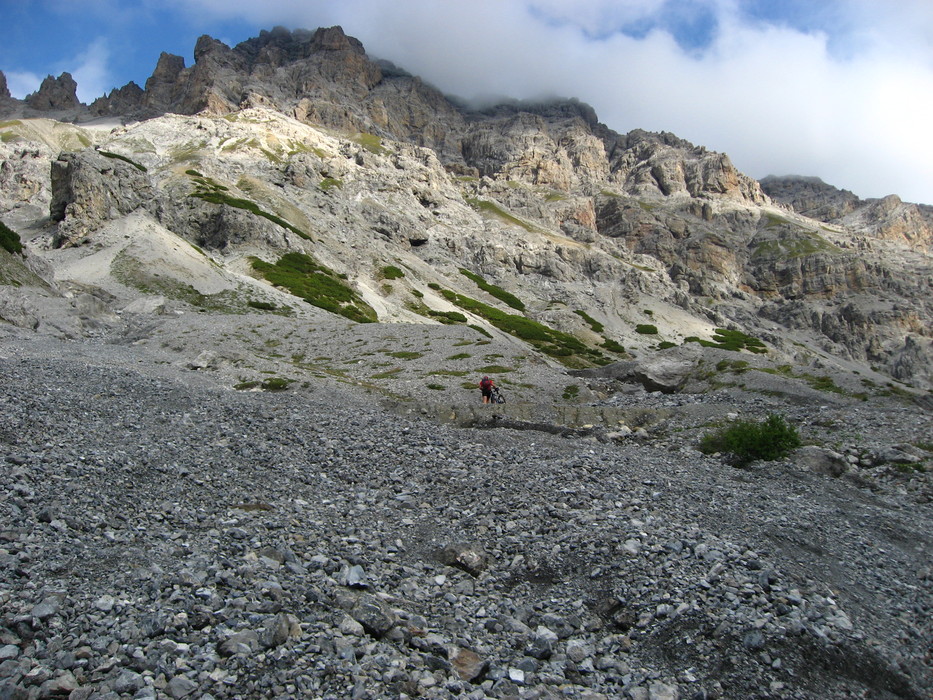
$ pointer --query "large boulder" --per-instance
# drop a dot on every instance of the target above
(90, 188)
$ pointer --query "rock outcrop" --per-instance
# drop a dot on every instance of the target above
(888, 218)
(55, 94)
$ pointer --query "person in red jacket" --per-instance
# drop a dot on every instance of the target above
(485, 387)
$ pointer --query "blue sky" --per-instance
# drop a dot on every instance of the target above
(840, 89)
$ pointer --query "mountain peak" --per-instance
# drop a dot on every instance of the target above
(55, 94)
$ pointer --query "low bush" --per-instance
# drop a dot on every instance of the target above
(390, 272)
(646, 329)
(745, 441)
(117, 156)
(591, 322)
(495, 291)
(725, 339)
(318, 285)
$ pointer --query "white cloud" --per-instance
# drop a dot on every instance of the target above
(850, 103)
(93, 73)
(21, 83)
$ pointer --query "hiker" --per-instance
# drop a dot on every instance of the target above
(485, 387)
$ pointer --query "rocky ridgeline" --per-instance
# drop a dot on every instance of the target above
(166, 538)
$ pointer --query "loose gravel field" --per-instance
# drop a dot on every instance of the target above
(163, 535)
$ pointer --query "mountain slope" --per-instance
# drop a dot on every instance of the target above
(364, 167)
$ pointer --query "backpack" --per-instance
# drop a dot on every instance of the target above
(486, 383)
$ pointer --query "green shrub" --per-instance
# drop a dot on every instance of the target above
(646, 329)
(447, 317)
(592, 322)
(330, 183)
(665, 344)
(613, 346)
(318, 285)
(275, 384)
(571, 391)
(261, 305)
(486, 207)
(745, 441)
(372, 143)
(436, 387)
(117, 156)
(495, 291)
(390, 272)
(215, 193)
(9, 239)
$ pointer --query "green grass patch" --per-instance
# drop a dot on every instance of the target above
(725, 339)
(743, 442)
(449, 373)
(613, 346)
(460, 356)
(261, 305)
(805, 243)
(571, 392)
(493, 290)
(117, 156)
(405, 354)
(371, 142)
(484, 206)
(665, 344)
(10, 240)
(494, 369)
(737, 366)
(592, 322)
(448, 318)
(390, 272)
(388, 373)
(549, 341)
(215, 193)
(435, 387)
(330, 183)
(822, 383)
(480, 330)
(129, 271)
(646, 329)
(318, 285)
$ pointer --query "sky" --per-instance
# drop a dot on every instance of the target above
(837, 89)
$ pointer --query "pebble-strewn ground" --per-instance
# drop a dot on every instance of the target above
(164, 537)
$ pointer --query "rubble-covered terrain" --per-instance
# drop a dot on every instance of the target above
(164, 535)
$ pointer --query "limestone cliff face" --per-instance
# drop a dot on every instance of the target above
(888, 218)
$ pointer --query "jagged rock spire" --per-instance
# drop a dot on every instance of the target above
(55, 93)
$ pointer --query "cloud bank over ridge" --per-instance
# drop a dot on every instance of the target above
(841, 89)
